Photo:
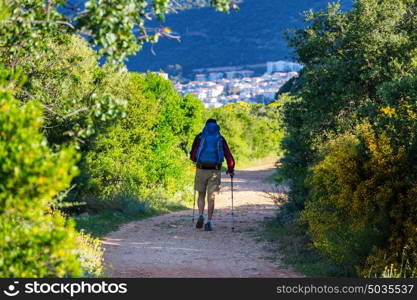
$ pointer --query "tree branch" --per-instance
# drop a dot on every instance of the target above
(39, 22)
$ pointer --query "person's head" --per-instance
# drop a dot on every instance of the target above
(211, 121)
(211, 126)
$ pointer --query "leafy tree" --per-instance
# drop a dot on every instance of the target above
(144, 155)
(38, 37)
(360, 68)
(83, 104)
(397, 113)
(190, 4)
(347, 56)
(78, 97)
(34, 241)
(360, 208)
(116, 29)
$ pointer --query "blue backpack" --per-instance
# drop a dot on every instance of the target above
(210, 151)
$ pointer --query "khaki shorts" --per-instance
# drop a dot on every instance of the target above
(207, 180)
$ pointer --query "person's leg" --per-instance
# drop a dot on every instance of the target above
(210, 200)
(200, 185)
(200, 220)
(201, 202)
(212, 187)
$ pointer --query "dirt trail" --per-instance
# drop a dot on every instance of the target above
(170, 246)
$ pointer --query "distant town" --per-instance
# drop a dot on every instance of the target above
(220, 86)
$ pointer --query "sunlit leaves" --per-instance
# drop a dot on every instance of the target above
(359, 66)
(34, 241)
(119, 29)
(116, 28)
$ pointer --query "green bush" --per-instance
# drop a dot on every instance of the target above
(142, 157)
(354, 184)
(34, 240)
(69, 102)
(347, 57)
(90, 254)
(362, 203)
(399, 270)
(78, 97)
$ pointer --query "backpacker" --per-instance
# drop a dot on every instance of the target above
(210, 153)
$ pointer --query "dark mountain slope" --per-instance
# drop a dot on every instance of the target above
(213, 39)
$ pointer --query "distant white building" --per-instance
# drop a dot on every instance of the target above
(215, 90)
(282, 66)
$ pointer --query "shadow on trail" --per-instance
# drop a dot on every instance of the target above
(247, 218)
(170, 245)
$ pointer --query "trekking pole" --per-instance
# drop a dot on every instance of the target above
(233, 219)
(194, 206)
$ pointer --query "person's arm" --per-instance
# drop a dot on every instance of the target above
(229, 158)
(193, 152)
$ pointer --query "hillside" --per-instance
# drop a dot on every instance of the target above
(212, 39)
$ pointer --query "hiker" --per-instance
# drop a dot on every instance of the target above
(208, 152)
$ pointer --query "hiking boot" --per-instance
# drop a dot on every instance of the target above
(200, 222)
(207, 227)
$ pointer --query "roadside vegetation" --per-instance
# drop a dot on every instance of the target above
(85, 147)
(350, 142)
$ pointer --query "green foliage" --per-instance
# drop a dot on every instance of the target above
(398, 113)
(34, 241)
(62, 71)
(402, 270)
(142, 157)
(117, 29)
(291, 86)
(294, 144)
(190, 4)
(26, 27)
(76, 94)
(289, 239)
(360, 200)
(252, 131)
(131, 131)
(351, 126)
(78, 97)
(345, 58)
(90, 254)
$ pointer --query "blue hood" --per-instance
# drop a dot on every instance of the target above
(211, 128)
